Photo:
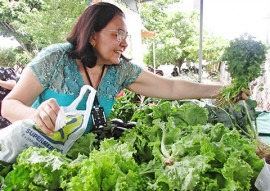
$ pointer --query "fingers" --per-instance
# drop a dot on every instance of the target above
(246, 91)
(245, 94)
(46, 115)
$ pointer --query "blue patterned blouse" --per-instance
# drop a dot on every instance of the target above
(60, 77)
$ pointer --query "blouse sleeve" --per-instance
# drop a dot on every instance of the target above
(46, 64)
(129, 72)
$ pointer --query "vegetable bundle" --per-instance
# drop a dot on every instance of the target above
(244, 57)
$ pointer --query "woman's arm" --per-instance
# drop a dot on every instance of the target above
(152, 85)
(17, 104)
(9, 84)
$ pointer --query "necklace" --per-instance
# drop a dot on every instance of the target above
(88, 77)
(97, 112)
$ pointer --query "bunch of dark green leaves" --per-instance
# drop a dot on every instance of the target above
(5, 168)
(244, 57)
(241, 116)
(126, 105)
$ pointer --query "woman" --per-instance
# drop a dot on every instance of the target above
(93, 56)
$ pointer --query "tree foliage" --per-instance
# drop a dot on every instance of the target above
(52, 23)
(39, 23)
(213, 49)
(7, 57)
(14, 56)
(13, 11)
(177, 37)
(36, 24)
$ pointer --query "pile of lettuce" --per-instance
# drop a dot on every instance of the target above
(172, 147)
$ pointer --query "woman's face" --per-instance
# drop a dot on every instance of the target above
(111, 41)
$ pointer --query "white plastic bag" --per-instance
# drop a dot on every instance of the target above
(262, 182)
(71, 124)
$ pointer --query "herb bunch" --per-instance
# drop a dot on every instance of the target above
(244, 57)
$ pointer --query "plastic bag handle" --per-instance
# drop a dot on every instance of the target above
(60, 120)
(73, 106)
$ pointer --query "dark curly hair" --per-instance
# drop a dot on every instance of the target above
(93, 19)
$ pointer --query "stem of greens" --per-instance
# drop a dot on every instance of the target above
(254, 130)
(164, 151)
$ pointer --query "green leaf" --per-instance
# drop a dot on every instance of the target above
(37, 169)
(83, 146)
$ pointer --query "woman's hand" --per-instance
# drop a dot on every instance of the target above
(45, 116)
(245, 93)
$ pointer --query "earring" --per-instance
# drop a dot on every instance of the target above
(93, 44)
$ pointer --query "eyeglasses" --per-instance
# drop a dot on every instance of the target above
(120, 34)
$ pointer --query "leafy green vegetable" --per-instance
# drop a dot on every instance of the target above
(37, 169)
(184, 156)
(83, 146)
(241, 116)
(171, 148)
(4, 170)
(110, 168)
(244, 57)
(125, 106)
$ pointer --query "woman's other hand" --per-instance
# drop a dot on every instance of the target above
(45, 116)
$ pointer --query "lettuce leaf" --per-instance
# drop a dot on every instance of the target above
(37, 169)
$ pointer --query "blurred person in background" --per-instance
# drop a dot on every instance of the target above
(8, 79)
